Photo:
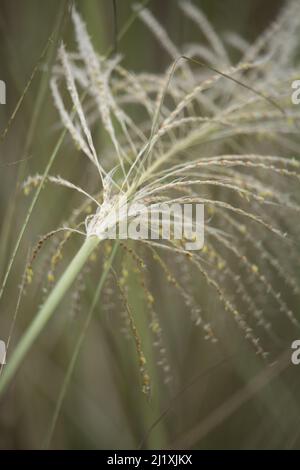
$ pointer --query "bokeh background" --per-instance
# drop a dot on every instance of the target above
(220, 396)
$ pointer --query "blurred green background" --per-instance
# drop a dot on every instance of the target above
(220, 395)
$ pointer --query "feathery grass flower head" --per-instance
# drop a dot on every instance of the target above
(206, 131)
(205, 134)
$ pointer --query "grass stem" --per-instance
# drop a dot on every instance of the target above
(46, 312)
(77, 348)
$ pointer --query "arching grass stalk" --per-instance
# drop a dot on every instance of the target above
(78, 345)
(47, 310)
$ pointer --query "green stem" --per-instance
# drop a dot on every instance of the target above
(78, 345)
(46, 311)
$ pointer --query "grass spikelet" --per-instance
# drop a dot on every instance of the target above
(154, 325)
(145, 378)
(196, 314)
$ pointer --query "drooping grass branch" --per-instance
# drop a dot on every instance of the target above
(47, 311)
(78, 345)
